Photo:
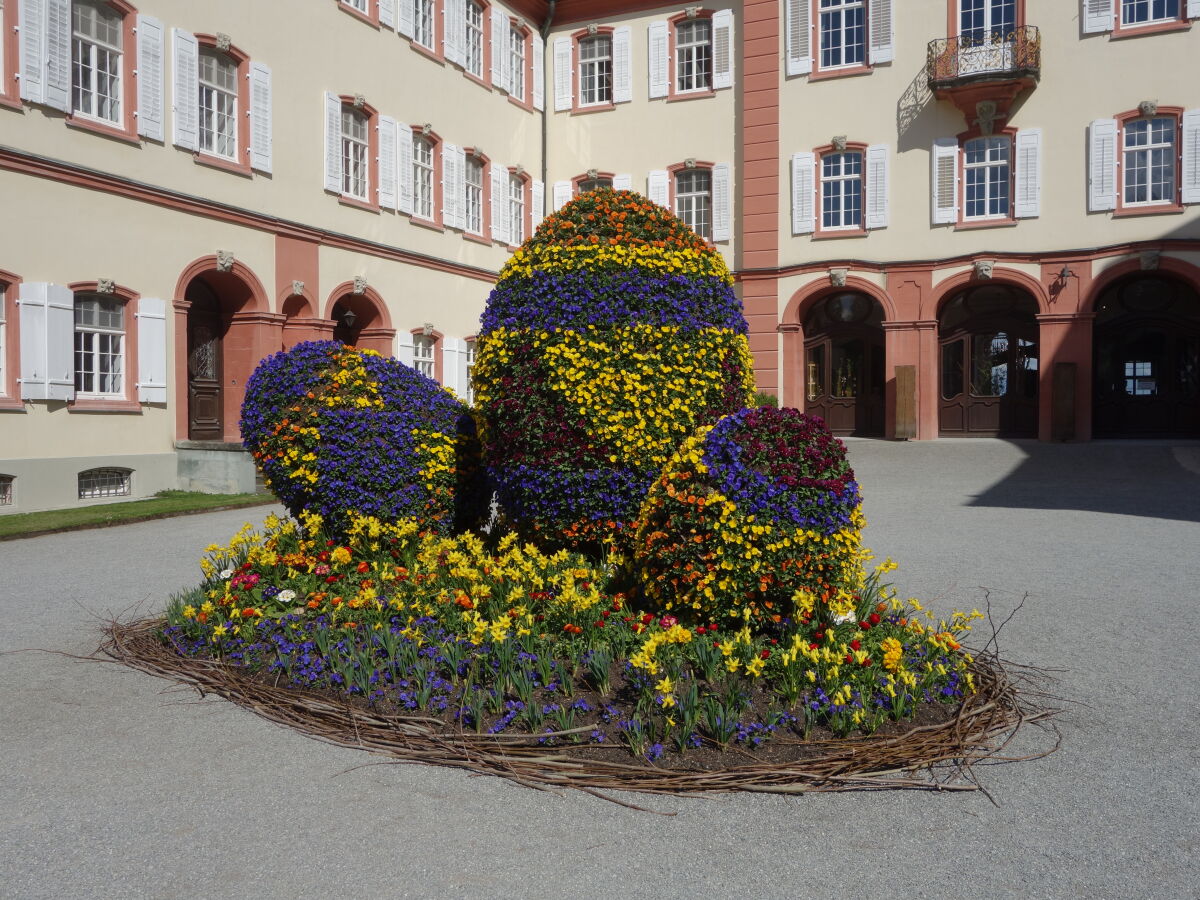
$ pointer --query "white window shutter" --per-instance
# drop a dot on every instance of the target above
(404, 20)
(31, 23)
(799, 37)
(944, 181)
(1191, 154)
(1193, 9)
(879, 21)
(499, 47)
(152, 350)
(537, 204)
(1028, 202)
(1097, 15)
(562, 74)
(539, 73)
(804, 172)
(404, 169)
(185, 94)
(260, 117)
(387, 13)
(659, 60)
(333, 143)
(452, 187)
(150, 50)
(1102, 165)
(499, 203)
(47, 326)
(451, 351)
(56, 91)
(877, 186)
(388, 191)
(450, 43)
(622, 64)
(722, 203)
(658, 188)
(460, 185)
(722, 24)
(404, 348)
(562, 194)
(622, 182)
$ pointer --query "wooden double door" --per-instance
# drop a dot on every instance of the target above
(844, 380)
(205, 334)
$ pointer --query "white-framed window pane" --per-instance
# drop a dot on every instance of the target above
(987, 21)
(841, 190)
(1149, 161)
(356, 179)
(516, 52)
(843, 33)
(422, 178)
(218, 104)
(693, 200)
(422, 22)
(470, 371)
(360, 5)
(474, 49)
(693, 55)
(99, 345)
(96, 61)
(516, 209)
(592, 184)
(1145, 12)
(424, 348)
(595, 70)
(987, 176)
(104, 483)
(473, 178)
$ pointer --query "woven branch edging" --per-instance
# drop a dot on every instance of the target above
(984, 726)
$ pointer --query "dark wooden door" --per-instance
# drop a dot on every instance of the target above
(844, 381)
(206, 420)
(989, 381)
(1148, 378)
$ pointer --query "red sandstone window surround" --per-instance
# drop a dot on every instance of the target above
(980, 180)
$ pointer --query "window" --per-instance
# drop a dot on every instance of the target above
(357, 5)
(986, 177)
(516, 63)
(473, 199)
(6, 490)
(841, 191)
(356, 181)
(470, 370)
(693, 55)
(423, 199)
(424, 354)
(842, 29)
(1148, 12)
(96, 61)
(218, 104)
(987, 21)
(99, 346)
(423, 28)
(96, 483)
(516, 209)
(1149, 162)
(473, 55)
(693, 200)
(3, 347)
(592, 184)
(595, 70)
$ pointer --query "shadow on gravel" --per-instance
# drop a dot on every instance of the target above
(1160, 479)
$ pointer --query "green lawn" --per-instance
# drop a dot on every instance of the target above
(165, 503)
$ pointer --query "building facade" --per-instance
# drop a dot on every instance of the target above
(946, 217)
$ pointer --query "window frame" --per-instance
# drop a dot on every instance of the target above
(370, 15)
(673, 193)
(125, 474)
(1145, 208)
(434, 48)
(820, 154)
(485, 50)
(434, 220)
(578, 39)
(519, 36)
(579, 181)
(10, 344)
(954, 17)
(843, 68)
(1121, 5)
(674, 92)
(515, 177)
(434, 339)
(470, 346)
(1010, 163)
(124, 400)
(207, 43)
(1179, 22)
(481, 235)
(125, 127)
(371, 202)
(352, 142)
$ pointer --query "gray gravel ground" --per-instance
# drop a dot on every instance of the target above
(115, 785)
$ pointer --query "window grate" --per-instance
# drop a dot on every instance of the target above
(6, 490)
(104, 483)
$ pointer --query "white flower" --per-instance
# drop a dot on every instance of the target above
(227, 573)
(286, 596)
(843, 619)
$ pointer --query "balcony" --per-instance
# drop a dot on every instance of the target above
(996, 66)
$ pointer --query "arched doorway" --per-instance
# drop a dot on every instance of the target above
(347, 324)
(206, 328)
(1147, 359)
(989, 363)
(844, 364)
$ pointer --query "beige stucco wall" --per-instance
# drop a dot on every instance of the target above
(1082, 78)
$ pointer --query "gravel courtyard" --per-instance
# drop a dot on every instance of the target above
(115, 784)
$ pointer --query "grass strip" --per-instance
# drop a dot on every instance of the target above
(162, 505)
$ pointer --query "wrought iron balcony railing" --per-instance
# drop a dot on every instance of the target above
(969, 59)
